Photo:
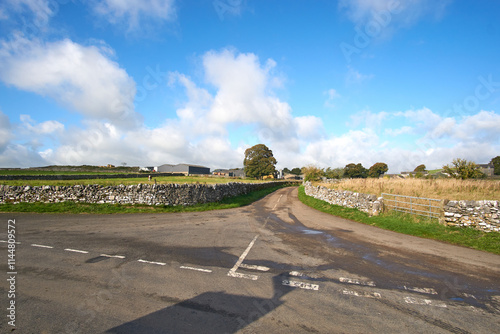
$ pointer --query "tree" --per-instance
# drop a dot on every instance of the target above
(377, 169)
(334, 173)
(420, 168)
(496, 165)
(312, 173)
(355, 171)
(286, 171)
(463, 169)
(296, 171)
(259, 161)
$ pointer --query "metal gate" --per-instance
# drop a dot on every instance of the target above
(426, 207)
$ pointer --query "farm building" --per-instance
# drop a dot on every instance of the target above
(487, 169)
(183, 169)
(235, 172)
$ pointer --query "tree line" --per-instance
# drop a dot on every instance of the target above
(259, 162)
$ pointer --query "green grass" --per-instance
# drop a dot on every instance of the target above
(128, 181)
(87, 208)
(411, 225)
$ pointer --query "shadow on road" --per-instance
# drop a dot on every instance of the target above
(210, 312)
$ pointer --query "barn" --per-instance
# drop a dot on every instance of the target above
(185, 169)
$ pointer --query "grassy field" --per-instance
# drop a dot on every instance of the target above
(451, 189)
(420, 227)
(86, 208)
(129, 181)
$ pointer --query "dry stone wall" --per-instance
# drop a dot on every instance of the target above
(363, 202)
(161, 194)
(481, 215)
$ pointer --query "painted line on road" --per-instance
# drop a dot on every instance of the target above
(17, 242)
(275, 205)
(151, 262)
(301, 285)
(419, 301)
(113, 256)
(76, 251)
(429, 291)
(364, 294)
(41, 246)
(355, 281)
(196, 269)
(238, 263)
(254, 267)
(246, 276)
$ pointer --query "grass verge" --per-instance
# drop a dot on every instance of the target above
(82, 208)
(407, 224)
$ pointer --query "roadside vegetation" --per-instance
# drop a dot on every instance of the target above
(144, 179)
(411, 225)
(86, 208)
(452, 189)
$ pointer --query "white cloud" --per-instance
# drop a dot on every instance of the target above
(79, 77)
(40, 9)
(5, 131)
(368, 119)
(354, 77)
(395, 12)
(44, 128)
(135, 13)
(332, 95)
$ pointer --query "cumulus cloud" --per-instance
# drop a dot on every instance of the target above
(40, 10)
(79, 77)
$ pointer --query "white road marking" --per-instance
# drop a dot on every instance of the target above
(302, 285)
(17, 242)
(275, 205)
(356, 281)
(365, 294)
(76, 251)
(254, 267)
(429, 291)
(197, 269)
(296, 273)
(151, 262)
(232, 273)
(418, 301)
(114, 256)
(466, 295)
(41, 246)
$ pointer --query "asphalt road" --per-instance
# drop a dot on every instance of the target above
(276, 266)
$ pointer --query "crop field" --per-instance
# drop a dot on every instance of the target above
(451, 189)
(129, 181)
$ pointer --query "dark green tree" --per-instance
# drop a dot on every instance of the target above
(259, 161)
(296, 171)
(286, 171)
(355, 171)
(496, 165)
(334, 173)
(420, 168)
(378, 169)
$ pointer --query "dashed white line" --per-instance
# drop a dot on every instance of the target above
(41, 246)
(302, 285)
(151, 262)
(418, 301)
(296, 273)
(17, 242)
(355, 281)
(254, 267)
(113, 256)
(196, 269)
(365, 294)
(76, 251)
(275, 205)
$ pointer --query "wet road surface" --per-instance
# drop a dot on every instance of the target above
(276, 266)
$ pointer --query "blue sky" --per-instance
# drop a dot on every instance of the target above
(319, 82)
